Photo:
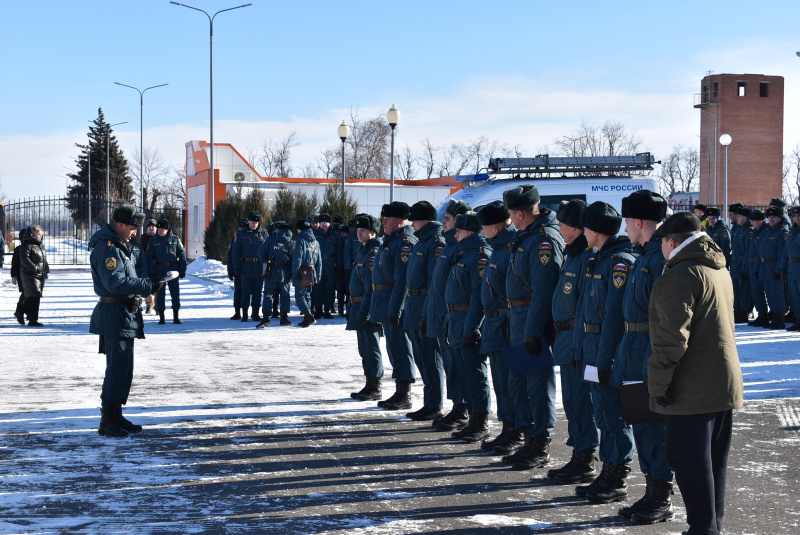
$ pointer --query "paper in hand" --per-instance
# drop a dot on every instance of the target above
(170, 275)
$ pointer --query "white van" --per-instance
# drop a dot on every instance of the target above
(606, 178)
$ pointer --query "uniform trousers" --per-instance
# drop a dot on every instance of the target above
(697, 448)
(251, 291)
(776, 298)
(576, 396)
(759, 297)
(174, 296)
(325, 291)
(742, 295)
(452, 387)
(616, 437)
(498, 365)
(237, 291)
(370, 350)
(398, 346)
(428, 358)
(651, 439)
(794, 298)
(472, 375)
(270, 290)
(534, 399)
(119, 370)
(302, 296)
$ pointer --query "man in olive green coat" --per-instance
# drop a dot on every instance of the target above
(693, 374)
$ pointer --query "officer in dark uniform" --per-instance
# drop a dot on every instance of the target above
(388, 299)
(757, 231)
(117, 318)
(305, 257)
(790, 265)
(742, 296)
(770, 251)
(342, 280)
(427, 355)
(598, 332)
(368, 332)
(575, 392)
(324, 296)
(463, 324)
(700, 211)
(644, 212)
(432, 321)
(718, 230)
(237, 280)
(276, 256)
(247, 264)
(533, 272)
(166, 253)
(149, 232)
(500, 234)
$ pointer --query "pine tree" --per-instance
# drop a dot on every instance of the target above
(94, 154)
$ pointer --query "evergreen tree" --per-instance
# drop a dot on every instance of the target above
(94, 155)
(230, 210)
(335, 202)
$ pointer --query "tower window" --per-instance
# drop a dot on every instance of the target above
(742, 89)
(763, 89)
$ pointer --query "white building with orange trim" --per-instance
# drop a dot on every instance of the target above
(232, 171)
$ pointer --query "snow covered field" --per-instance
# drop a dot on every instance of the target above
(212, 393)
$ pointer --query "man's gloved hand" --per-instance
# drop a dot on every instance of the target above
(533, 345)
(394, 321)
(472, 340)
(666, 399)
(181, 274)
(603, 375)
(777, 276)
(423, 326)
(231, 277)
(157, 285)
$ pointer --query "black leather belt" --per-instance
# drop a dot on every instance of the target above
(163, 263)
(418, 291)
(494, 312)
(250, 260)
(633, 327)
(356, 298)
(382, 286)
(327, 256)
(593, 328)
(768, 259)
(518, 302)
(452, 308)
(564, 326)
(793, 258)
(133, 303)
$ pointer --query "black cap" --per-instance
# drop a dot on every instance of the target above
(313, 218)
(757, 215)
(282, 225)
(699, 206)
(521, 197)
(743, 210)
(151, 222)
(569, 212)
(324, 218)
(794, 210)
(338, 219)
(468, 221)
(493, 213)
(774, 211)
(164, 223)
(712, 211)
(455, 207)
(127, 215)
(368, 222)
(243, 222)
(254, 216)
(735, 207)
(644, 204)
(422, 211)
(780, 203)
(395, 209)
(303, 224)
(602, 218)
(679, 223)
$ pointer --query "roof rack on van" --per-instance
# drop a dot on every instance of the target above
(544, 164)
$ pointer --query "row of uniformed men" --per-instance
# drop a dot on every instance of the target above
(765, 264)
(448, 295)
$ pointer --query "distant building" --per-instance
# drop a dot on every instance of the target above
(749, 108)
(233, 171)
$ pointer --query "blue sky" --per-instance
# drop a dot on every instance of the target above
(522, 72)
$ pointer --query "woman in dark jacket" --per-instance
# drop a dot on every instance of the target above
(33, 271)
(19, 312)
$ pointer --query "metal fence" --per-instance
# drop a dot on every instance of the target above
(66, 224)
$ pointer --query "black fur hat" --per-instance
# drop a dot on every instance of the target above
(325, 218)
(757, 215)
(243, 222)
(468, 221)
(338, 219)
(254, 216)
(282, 225)
(164, 223)
(735, 207)
(127, 215)
(493, 213)
(521, 197)
(712, 211)
(699, 206)
(569, 212)
(152, 222)
(395, 209)
(794, 210)
(368, 222)
(602, 218)
(679, 223)
(775, 211)
(744, 210)
(422, 211)
(302, 224)
(455, 207)
(644, 204)
(780, 203)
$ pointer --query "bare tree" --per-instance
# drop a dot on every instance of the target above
(154, 174)
(791, 176)
(428, 158)
(609, 139)
(680, 171)
(405, 162)
(329, 163)
(367, 148)
(2, 191)
(274, 157)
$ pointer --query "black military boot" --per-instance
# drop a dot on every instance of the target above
(659, 508)
(372, 391)
(256, 316)
(582, 470)
(275, 313)
(285, 320)
(777, 323)
(582, 490)
(537, 454)
(355, 395)
(425, 414)
(263, 323)
(615, 486)
(466, 429)
(760, 321)
(327, 314)
(480, 428)
(513, 441)
(402, 399)
(317, 313)
(457, 418)
(244, 314)
(175, 319)
(108, 423)
(637, 506)
(519, 452)
(553, 472)
(308, 320)
(124, 423)
(238, 314)
(161, 320)
(488, 445)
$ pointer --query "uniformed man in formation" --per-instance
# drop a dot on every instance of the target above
(247, 265)
(276, 257)
(166, 253)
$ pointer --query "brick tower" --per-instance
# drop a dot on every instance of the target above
(748, 107)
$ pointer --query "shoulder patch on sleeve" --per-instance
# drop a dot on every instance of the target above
(111, 263)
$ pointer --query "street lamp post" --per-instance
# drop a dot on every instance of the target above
(141, 136)
(725, 140)
(344, 133)
(108, 171)
(211, 86)
(393, 116)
